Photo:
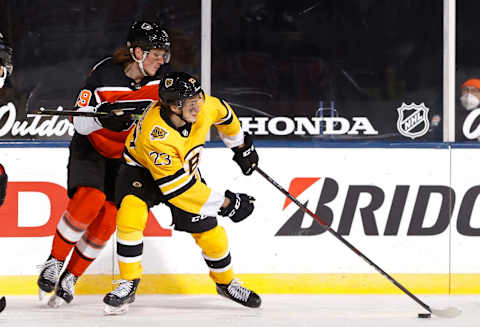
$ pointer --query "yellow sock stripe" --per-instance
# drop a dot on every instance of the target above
(214, 243)
(131, 218)
(131, 270)
(129, 236)
(224, 277)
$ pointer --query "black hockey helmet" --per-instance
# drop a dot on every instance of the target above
(149, 35)
(6, 53)
(177, 87)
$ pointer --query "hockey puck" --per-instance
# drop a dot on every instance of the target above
(424, 315)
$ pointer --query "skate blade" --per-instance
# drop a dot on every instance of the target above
(42, 295)
(113, 311)
(55, 302)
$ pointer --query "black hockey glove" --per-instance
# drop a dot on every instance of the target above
(3, 184)
(116, 120)
(246, 157)
(239, 208)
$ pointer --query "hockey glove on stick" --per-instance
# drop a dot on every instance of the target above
(3, 184)
(117, 119)
(246, 157)
(239, 208)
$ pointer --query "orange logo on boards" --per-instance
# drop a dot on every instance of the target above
(55, 197)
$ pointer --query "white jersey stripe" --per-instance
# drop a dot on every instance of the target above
(216, 259)
(130, 243)
(173, 181)
(219, 270)
(179, 186)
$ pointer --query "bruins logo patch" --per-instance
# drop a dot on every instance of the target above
(158, 133)
(168, 82)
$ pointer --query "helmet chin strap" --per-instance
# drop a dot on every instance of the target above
(181, 116)
(179, 105)
(140, 62)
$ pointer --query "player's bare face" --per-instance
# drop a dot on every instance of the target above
(192, 107)
(153, 61)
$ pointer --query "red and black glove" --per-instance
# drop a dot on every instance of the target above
(3, 184)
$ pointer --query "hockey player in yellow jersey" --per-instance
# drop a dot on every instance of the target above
(161, 156)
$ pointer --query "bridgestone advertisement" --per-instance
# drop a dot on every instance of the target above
(408, 216)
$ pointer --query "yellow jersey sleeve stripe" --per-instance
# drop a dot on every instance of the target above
(172, 187)
(228, 118)
(173, 193)
(165, 181)
(129, 159)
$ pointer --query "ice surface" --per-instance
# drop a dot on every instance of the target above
(215, 311)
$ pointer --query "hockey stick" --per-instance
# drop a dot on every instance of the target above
(449, 312)
(52, 112)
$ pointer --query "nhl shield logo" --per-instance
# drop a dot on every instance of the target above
(413, 120)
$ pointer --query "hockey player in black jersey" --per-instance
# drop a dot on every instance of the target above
(129, 79)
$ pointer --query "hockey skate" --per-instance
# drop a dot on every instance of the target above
(236, 292)
(50, 271)
(118, 300)
(64, 291)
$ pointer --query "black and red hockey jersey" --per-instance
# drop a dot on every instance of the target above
(107, 82)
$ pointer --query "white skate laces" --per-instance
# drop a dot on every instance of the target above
(123, 289)
(237, 291)
(68, 283)
(51, 269)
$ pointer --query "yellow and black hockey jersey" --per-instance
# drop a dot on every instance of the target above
(172, 155)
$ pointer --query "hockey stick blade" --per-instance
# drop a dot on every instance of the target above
(450, 312)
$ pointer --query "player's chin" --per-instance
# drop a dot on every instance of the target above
(152, 72)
